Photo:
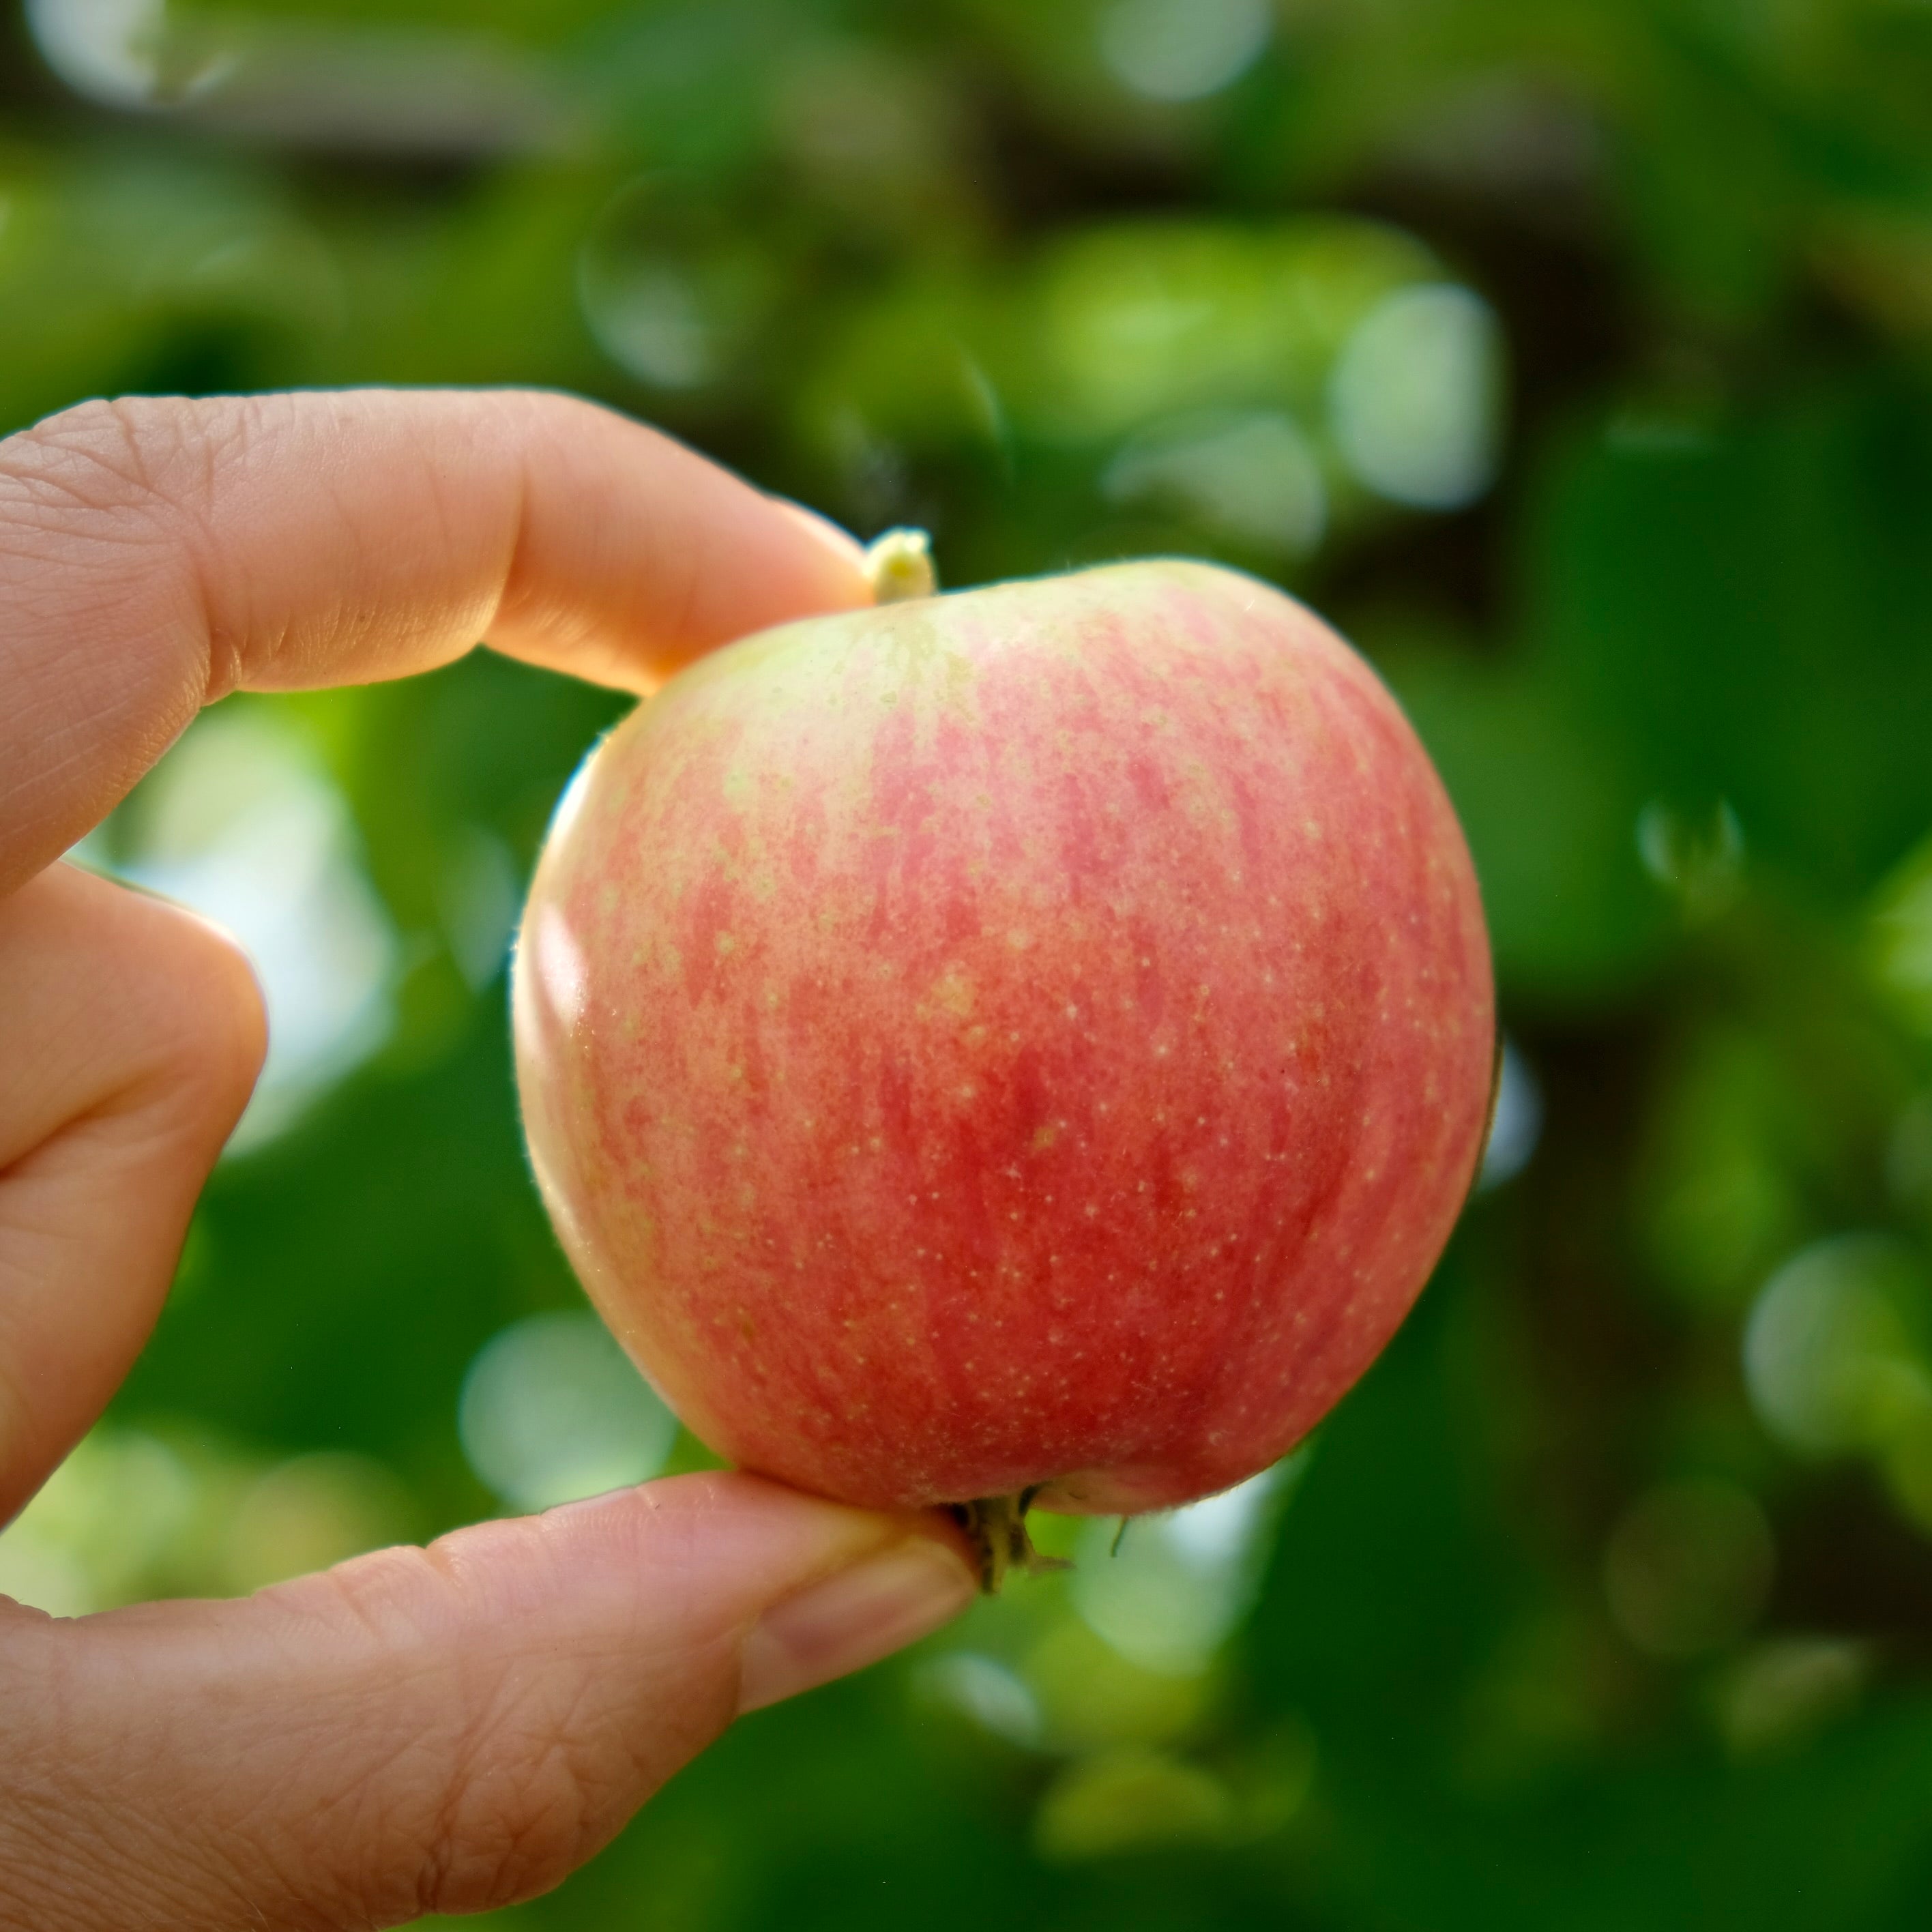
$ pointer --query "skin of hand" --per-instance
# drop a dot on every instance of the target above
(442, 1729)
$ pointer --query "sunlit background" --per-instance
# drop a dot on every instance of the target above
(1577, 360)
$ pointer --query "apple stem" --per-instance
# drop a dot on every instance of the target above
(900, 566)
(996, 1528)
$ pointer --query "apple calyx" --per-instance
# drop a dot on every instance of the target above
(996, 1528)
(899, 564)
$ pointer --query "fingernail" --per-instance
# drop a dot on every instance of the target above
(853, 1619)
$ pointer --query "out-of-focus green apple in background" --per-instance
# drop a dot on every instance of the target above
(1577, 361)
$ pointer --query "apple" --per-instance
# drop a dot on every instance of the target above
(1028, 1043)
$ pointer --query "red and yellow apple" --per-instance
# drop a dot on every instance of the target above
(1033, 1041)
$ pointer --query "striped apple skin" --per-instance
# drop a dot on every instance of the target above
(1035, 1037)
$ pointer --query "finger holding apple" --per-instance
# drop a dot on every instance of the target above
(1025, 1046)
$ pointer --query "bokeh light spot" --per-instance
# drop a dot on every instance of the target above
(1781, 1693)
(647, 320)
(668, 287)
(1702, 863)
(1687, 1568)
(1416, 398)
(309, 1513)
(984, 1691)
(1516, 1125)
(108, 50)
(105, 1521)
(1128, 1799)
(552, 1411)
(1899, 939)
(1183, 50)
(478, 896)
(241, 823)
(1252, 477)
(1829, 1356)
(1092, 1698)
(1179, 1584)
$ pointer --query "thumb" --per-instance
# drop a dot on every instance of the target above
(445, 1729)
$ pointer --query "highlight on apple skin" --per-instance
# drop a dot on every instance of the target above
(1032, 1043)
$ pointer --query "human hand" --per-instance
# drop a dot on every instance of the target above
(445, 1730)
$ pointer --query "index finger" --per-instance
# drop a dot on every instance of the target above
(156, 553)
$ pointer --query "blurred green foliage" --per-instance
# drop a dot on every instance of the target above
(1578, 361)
